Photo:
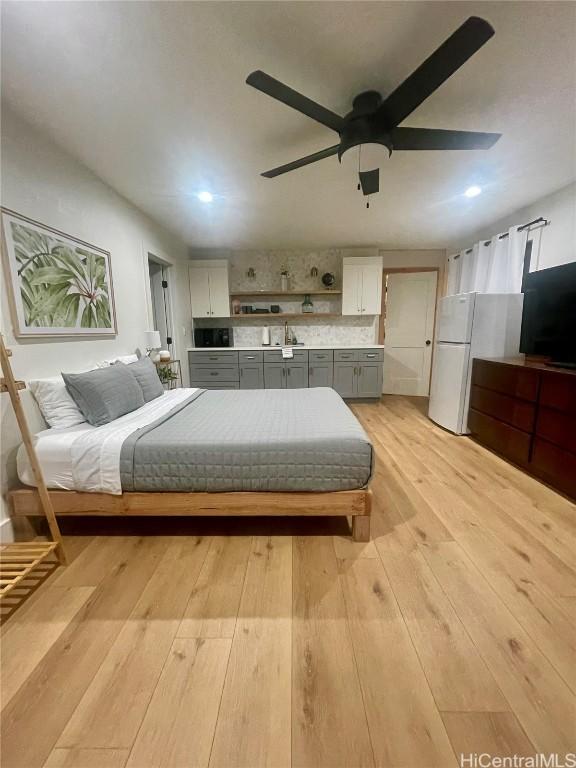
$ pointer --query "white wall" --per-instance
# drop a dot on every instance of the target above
(558, 240)
(44, 183)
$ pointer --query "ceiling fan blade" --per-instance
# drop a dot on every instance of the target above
(302, 162)
(292, 98)
(370, 181)
(436, 138)
(437, 68)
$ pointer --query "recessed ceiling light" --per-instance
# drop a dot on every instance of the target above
(473, 191)
(205, 197)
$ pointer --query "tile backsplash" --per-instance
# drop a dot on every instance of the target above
(267, 266)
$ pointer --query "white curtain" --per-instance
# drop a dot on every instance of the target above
(493, 266)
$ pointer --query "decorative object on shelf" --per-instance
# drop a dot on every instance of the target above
(236, 306)
(169, 374)
(153, 344)
(251, 273)
(314, 272)
(307, 305)
(328, 279)
(275, 309)
(164, 356)
(58, 285)
(246, 309)
(284, 277)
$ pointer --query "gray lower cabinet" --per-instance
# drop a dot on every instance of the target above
(358, 379)
(296, 375)
(321, 375)
(274, 376)
(251, 376)
(351, 372)
(369, 380)
(345, 379)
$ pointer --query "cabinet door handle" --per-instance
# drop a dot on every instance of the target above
(288, 371)
(241, 371)
(355, 371)
(359, 370)
(212, 358)
(370, 355)
(213, 373)
(250, 357)
(283, 371)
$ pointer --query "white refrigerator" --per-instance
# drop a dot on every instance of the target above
(469, 325)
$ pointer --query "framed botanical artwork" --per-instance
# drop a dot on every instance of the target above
(57, 285)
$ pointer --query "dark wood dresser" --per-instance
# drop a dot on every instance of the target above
(526, 412)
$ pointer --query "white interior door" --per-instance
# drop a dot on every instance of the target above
(409, 328)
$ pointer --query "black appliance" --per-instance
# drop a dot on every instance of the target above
(213, 337)
(549, 314)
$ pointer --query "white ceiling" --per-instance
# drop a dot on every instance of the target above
(151, 97)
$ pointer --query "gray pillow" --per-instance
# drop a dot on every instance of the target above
(104, 394)
(147, 376)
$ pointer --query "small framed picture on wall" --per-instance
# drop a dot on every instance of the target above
(57, 285)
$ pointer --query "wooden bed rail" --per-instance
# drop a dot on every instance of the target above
(356, 504)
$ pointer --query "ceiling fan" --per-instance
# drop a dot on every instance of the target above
(374, 120)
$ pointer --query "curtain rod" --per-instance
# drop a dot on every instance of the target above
(540, 220)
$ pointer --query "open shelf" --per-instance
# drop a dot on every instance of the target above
(238, 294)
(283, 315)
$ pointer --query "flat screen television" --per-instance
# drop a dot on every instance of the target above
(549, 314)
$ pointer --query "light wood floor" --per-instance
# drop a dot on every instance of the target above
(272, 643)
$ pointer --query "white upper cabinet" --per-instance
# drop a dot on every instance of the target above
(209, 291)
(362, 286)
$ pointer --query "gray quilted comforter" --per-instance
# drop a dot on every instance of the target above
(250, 440)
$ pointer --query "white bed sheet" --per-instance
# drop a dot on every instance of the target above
(87, 458)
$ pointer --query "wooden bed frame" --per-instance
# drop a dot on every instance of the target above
(357, 504)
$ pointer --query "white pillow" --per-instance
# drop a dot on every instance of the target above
(56, 405)
(126, 359)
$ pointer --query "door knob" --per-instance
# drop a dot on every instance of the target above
(428, 342)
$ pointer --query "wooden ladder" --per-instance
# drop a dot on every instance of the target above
(18, 560)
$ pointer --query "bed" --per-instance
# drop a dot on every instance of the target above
(211, 452)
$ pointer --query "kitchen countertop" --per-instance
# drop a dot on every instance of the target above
(279, 346)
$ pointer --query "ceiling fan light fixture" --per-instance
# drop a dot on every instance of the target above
(473, 191)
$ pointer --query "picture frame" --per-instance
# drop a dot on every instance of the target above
(57, 284)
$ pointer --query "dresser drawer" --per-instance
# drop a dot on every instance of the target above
(517, 413)
(251, 357)
(212, 358)
(321, 355)
(370, 355)
(557, 428)
(511, 380)
(554, 465)
(346, 355)
(275, 356)
(221, 373)
(558, 391)
(502, 438)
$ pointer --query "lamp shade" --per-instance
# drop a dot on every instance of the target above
(153, 340)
